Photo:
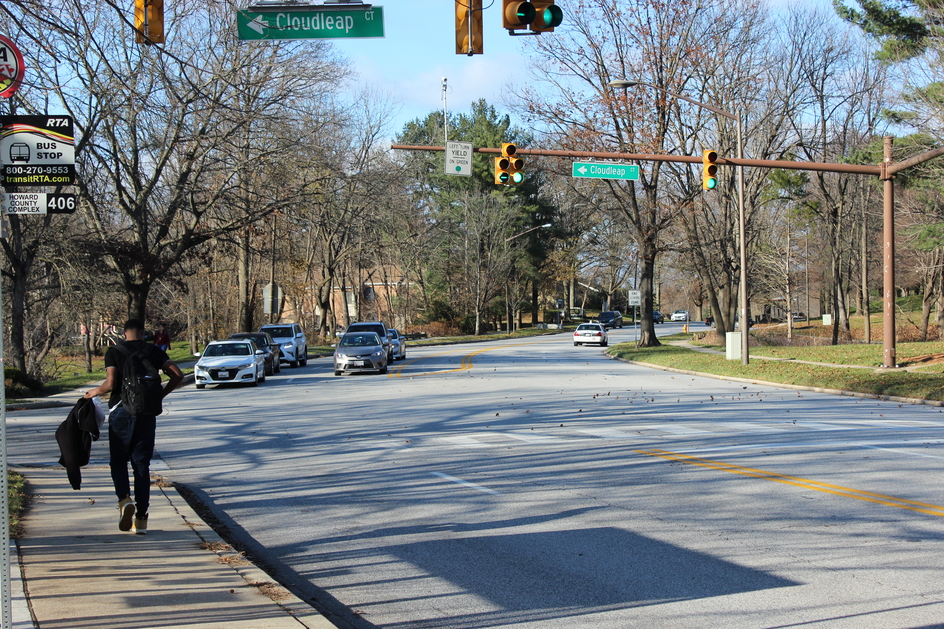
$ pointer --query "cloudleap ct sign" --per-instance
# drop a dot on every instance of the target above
(605, 170)
(310, 24)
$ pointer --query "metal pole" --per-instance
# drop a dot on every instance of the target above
(889, 358)
(5, 592)
(445, 119)
(745, 320)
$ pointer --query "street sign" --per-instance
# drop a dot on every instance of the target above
(11, 67)
(37, 150)
(459, 158)
(317, 22)
(605, 170)
(38, 203)
(635, 298)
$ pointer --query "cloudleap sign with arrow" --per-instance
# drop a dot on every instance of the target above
(605, 170)
(312, 22)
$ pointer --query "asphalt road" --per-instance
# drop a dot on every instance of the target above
(532, 483)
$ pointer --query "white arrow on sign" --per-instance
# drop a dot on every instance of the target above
(582, 170)
(259, 24)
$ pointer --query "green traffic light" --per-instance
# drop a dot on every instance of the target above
(552, 16)
(711, 183)
(526, 13)
(517, 178)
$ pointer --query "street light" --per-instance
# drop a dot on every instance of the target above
(508, 313)
(544, 226)
(745, 320)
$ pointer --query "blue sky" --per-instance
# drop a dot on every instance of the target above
(418, 50)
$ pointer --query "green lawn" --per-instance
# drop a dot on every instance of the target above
(16, 499)
(925, 384)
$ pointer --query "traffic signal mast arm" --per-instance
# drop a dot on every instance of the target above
(857, 169)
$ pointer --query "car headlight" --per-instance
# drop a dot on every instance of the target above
(378, 353)
(243, 366)
(287, 345)
(340, 356)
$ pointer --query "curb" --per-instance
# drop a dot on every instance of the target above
(254, 576)
(795, 387)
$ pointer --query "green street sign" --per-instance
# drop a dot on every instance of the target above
(315, 23)
(605, 170)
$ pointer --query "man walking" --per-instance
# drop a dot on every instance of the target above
(130, 436)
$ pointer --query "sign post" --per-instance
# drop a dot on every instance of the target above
(12, 70)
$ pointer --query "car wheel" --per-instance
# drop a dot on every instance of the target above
(383, 369)
(255, 380)
(262, 379)
(277, 367)
(293, 363)
(303, 361)
(576, 343)
(337, 372)
(604, 344)
(201, 386)
(269, 369)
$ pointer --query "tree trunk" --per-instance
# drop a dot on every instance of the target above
(647, 330)
(244, 314)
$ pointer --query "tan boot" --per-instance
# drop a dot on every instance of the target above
(140, 525)
(126, 511)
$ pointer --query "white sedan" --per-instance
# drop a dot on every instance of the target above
(229, 362)
(680, 315)
(590, 333)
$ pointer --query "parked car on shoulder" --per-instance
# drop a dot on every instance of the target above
(399, 344)
(799, 316)
(610, 319)
(593, 333)
(680, 315)
(232, 361)
(658, 317)
(291, 340)
(380, 328)
(360, 351)
(267, 344)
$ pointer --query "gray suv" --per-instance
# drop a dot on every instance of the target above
(380, 328)
(291, 340)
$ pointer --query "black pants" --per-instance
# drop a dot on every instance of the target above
(131, 440)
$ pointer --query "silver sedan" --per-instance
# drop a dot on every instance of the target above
(360, 351)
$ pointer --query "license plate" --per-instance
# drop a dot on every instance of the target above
(357, 363)
(223, 374)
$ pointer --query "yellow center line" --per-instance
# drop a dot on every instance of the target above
(837, 490)
(464, 365)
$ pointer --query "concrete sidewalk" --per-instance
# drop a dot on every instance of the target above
(79, 570)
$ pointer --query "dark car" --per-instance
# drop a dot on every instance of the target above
(269, 347)
(610, 319)
(382, 332)
(658, 317)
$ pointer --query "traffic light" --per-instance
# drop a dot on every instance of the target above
(468, 27)
(547, 15)
(149, 21)
(709, 170)
(517, 14)
(509, 167)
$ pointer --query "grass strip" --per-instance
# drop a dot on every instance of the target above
(16, 499)
(919, 385)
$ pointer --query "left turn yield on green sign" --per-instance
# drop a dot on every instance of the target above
(318, 22)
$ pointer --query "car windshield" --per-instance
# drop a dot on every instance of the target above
(393, 334)
(280, 332)
(587, 326)
(260, 339)
(359, 340)
(228, 349)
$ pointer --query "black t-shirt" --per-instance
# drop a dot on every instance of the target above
(116, 359)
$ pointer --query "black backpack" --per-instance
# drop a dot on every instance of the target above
(141, 390)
